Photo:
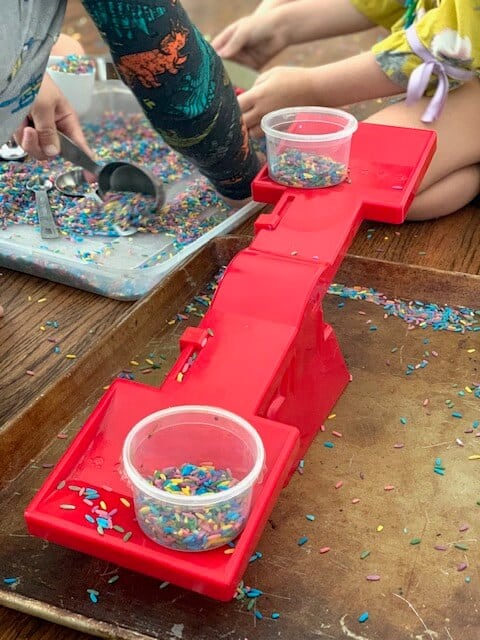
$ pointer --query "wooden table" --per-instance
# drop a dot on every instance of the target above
(440, 259)
(316, 594)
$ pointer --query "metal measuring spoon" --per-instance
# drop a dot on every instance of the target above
(12, 151)
(74, 184)
(48, 226)
(114, 176)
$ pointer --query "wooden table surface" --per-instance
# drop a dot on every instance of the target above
(450, 245)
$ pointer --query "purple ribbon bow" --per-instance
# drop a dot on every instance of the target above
(418, 82)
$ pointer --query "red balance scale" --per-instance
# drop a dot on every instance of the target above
(262, 351)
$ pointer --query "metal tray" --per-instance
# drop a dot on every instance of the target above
(127, 267)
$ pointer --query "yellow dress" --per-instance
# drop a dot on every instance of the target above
(448, 32)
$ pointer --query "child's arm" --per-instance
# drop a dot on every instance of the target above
(308, 20)
(267, 5)
(332, 85)
(445, 42)
(255, 39)
(181, 84)
(437, 53)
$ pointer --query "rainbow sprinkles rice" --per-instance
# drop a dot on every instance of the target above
(201, 527)
(90, 230)
(74, 64)
(122, 138)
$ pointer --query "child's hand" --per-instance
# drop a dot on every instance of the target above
(50, 112)
(252, 41)
(275, 89)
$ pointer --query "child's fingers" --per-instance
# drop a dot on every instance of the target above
(42, 116)
(18, 135)
(70, 126)
(256, 132)
(232, 41)
(221, 42)
(252, 120)
(253, 108)
(235, 43)
(264, 77)
(246, 100)
(28, 139)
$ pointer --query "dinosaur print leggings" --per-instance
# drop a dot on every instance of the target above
(180, 82)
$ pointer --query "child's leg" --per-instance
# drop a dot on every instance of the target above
(453, 178)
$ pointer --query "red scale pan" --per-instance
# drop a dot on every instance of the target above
(262, 351)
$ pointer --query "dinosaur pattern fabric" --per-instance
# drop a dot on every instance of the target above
(182, 86)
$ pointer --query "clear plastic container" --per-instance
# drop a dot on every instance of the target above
(214, 452)
(308, 147)
(76, 87)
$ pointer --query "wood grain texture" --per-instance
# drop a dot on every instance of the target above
(449, 244)
(29, 437)
(26, 337)
(316, 594)
(446, 252)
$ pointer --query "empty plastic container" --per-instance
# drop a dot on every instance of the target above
(192, 470)
(308, 147)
